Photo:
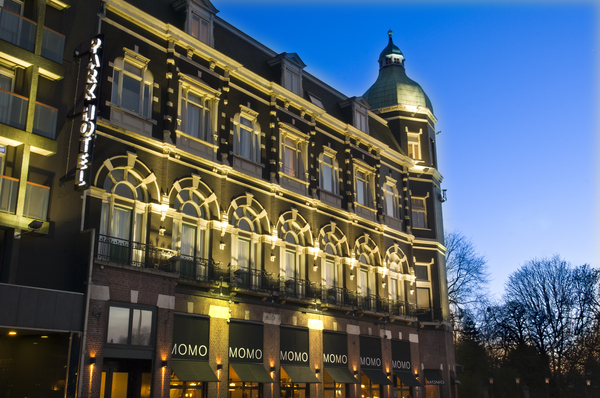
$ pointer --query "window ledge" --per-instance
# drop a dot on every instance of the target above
(137, 115)
(422, 229)
(298, 180)
(358, 205)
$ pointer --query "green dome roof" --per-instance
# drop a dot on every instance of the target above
(393, 87)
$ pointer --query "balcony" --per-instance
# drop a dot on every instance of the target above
(36, 201)
(373, 304)
(199, 269)
(402, 310)
(13, 109)
(53, 44)
(17, 30)
(44, 121)
(253, 282)
(9, 187)
(337, 297)
(299, 290)
(128, 253)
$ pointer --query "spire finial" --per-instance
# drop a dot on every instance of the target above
(390, 33)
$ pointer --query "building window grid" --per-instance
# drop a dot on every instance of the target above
(391, 200)
(364, 182)
(329, 172)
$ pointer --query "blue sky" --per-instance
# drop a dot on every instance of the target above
(514, 87)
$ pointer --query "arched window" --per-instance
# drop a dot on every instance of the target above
(132, 84)
(123, 220)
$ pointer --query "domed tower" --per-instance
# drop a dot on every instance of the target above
(409, 115)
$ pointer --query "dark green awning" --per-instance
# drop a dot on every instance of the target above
(434, 376)
(251, 372)
(407, 378)
(300, 374)
(377, 377)
(193, 370)
(341, 375)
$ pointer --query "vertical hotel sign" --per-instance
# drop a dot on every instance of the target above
(91, 101)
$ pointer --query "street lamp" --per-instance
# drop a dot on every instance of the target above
(547, 380)
(587, 389)
(517, 380)
(491, 387)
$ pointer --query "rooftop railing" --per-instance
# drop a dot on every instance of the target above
(13, 109)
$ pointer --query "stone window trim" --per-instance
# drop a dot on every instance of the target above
(293, 141)
(335, 172)
(413, 143)
(250, 115)
(422, 284)
(143, 108)
(395, 207)
(364, 178)
(419, 215)
(191, 84)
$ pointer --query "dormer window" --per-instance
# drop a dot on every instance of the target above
(199, 19)
(360, 112)
(292, 81)
(361, 122)
(199, 28)
(291, 71)
(414, 144)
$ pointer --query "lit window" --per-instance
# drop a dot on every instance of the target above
(132, 84)
(364, 182)
(329, 173)
(419, 212)
(129, 326)
(290, 158)
(414, 146)
(196, 112)
(246, 141)
(391, 200)
(423, 297)
(293, 151)
(199, 28)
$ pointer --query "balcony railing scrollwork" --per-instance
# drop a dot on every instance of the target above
(136, 254)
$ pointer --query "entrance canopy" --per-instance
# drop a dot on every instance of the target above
(193, 370)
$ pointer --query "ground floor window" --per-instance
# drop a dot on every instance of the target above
(333, 389)
(401, 390)
(126, 378)
(432, 391)
(369, 389)
(243, 389)
(289, 389)
(187, 389)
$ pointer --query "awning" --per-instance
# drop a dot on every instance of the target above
(341, 375)
(300, 374)
(193, 370)
(433, 376)
(377, 377)
(407, 378)
(454, 380)
(249, 372)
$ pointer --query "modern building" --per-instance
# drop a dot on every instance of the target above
(198, 215)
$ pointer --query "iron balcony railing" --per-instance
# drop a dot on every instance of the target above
(127, 252)
(252, 280)
(53, 44)
(373, 303)
(199, 269)
(296, 288)
(402, 309)
(9, 187)
(17, 30)
(13, 109)
(338, 296)
(44, 121)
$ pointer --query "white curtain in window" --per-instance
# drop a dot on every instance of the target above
(329, 274)
(188, 240)
(192, 121)
(290, 263)
(243, 253)
(121, 225)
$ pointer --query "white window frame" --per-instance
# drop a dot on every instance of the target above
(419, 213)
(253, 130)
(292, 78)
(391, 199)
(361, 120)
(196, 28)
(294, 144)
(422, 284)
(9, 74)
(364, 198)
(330, 175)
(413, 143)
(145, 79)
(209, 107)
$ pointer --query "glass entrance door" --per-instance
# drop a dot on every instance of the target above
(126, 378)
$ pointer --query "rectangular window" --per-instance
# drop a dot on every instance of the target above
(197, 116)
(129, 326)
(361, 121)
(393, 289)
(327, 176)
(421, 272)
(419, 213)
(132, 86)
(289, 157)
(364, 282)
(200, 28)
(362, 187)
(423, 299)
(290, 264)
(390, 202)
(243, 253)
(292, 81)
(414, 146)
(330, 277)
